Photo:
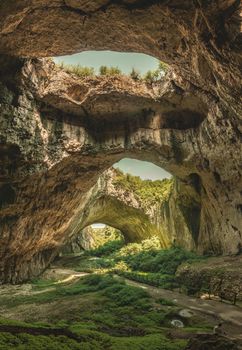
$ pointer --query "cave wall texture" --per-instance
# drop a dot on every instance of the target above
(174, 218)
(59, 133)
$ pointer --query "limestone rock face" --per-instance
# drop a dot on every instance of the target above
(175, 218)
(59, 133)
(201, 39)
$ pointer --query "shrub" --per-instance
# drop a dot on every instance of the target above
(166, 302)
(151, 76)
(135, 74)
(165, 261)
(124, 295)
(104, 70)
(107, 249)
(78, 70)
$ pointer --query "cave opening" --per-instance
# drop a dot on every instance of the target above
(122, 198)
(125, 62)
(60, 132)
(136, 70)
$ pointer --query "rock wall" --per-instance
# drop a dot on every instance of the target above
(59, 133)
(174, 218)
(91, 238)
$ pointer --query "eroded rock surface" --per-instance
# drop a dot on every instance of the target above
(174, 217)
(212, 342)
(58, 134)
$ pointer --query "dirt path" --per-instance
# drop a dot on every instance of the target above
(230, 315)
(213, 310)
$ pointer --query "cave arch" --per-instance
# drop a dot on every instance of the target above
(73, 146)
(132, 222)
(63, 151)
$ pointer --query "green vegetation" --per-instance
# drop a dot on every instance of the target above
(135, 74)
(152, 76)
(156, 267)
(104, 70)
(105, 314)
(173, 268)
(100, 236)
(107, 248)
(148, 191)
(78, 70)
(143, 262)
(90, 340)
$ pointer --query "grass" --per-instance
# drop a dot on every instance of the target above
(90, 341)
(77, 70)
(143, 262)
(107, 248)
(108, 314)
(105, 313)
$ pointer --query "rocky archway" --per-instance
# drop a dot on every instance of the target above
(173, 217)
(58, 135)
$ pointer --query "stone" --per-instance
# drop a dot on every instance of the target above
(186, 313)
(58, 133)
(177, 323)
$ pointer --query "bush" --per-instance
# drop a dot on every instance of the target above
(135, 74)
(165, 261)
(78, 70)
(153, 279)
(166, 302)
(152, 76)
(104, 70)
(124, 295)
(107, 249)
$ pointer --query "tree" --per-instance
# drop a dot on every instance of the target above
(135, 74)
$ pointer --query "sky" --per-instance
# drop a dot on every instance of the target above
(125, 61)
(145, 170)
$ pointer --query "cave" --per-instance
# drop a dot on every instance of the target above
(60, 135)
(62, 139)
(141, 207)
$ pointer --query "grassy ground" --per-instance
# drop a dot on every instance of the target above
(93, 312)
(142, 262)
(174, 268)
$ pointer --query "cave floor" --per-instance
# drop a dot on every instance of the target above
(35, 304)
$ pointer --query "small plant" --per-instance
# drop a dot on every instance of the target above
(163, 66)
(135, 74)
(152, 76)
(166, 302)
(126, 295)
(78, 70)
(104, 70)
(107, 249)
